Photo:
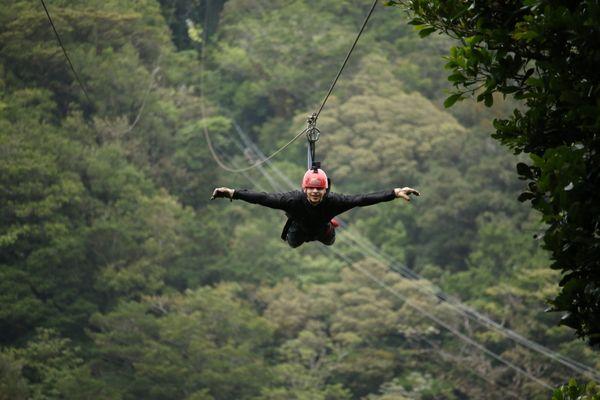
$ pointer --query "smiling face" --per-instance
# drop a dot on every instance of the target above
(314, 195)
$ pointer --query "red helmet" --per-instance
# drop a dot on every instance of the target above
(314, 179)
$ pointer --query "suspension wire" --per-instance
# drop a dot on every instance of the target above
(211, 148)
(224, 166)
(247, 175)
(244, 151)
(437, 320)
(467, 339)
(454, 359)
(476, 316)
(146, 95)
(456, 305)
(259, 153)
(466, 311)
(65, 53)
(346, 59)
(472, 314)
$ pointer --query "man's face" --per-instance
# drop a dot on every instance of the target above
(314, 195)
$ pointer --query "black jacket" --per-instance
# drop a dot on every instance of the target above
(312, 219)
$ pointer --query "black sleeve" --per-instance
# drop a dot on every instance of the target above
(279, 201)
(344, 202)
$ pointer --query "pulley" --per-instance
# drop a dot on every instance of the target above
(312, 132)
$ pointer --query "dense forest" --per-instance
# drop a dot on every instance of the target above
(120, 279)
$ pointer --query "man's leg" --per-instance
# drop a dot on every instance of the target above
(295, 237)
(327, 237)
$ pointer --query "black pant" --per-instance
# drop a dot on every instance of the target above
(296, 236)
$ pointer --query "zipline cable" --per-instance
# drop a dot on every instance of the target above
(146, 95)
(65, 53)
(347, 58)
(454, 359)
(440, 322)
(482, 319)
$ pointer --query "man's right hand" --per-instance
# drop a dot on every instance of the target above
(222, 192)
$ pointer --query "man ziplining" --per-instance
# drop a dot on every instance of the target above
(311, 211)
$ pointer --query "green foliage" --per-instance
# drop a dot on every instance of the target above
(43, 218)
(12, 384)
(51, 368)
(111, 26)
(177, 13)
(82, 221)
(353, 333)
(543, 54)
(574, 390)
(192, 344)
(413, 386)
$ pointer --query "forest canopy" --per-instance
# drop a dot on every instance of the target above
(119, 279)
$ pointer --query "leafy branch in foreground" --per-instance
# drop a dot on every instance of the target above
(543, 54)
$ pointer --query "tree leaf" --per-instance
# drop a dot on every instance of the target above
(523, 197)
(449, 102)
(426, 31)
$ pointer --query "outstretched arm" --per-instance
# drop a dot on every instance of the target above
(280, 201)
(346, 202)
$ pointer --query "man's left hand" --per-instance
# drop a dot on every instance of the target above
(405, 193)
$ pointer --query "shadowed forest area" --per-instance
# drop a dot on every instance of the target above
(120, 279)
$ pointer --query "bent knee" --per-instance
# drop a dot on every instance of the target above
(294, 243)
(328, 241)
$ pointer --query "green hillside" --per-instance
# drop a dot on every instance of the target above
(120, 279)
